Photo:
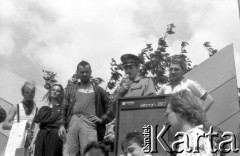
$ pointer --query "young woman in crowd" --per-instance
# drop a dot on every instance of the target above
(185, 115)
(20, 116)
(47, 141)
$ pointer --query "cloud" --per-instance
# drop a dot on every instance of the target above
(57, 37)
(216, 22)
(6, 41)
(8, 10)
(57, 34)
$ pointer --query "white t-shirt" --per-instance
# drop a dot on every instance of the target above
(197, 143)
(190, 85)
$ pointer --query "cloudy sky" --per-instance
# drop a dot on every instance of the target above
(57, 34)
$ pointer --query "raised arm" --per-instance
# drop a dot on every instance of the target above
(208, 101)
(200, 92)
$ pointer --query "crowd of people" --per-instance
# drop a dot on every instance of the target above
(74, 120)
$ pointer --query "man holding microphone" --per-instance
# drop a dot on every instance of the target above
(131, 86)
(135, 85)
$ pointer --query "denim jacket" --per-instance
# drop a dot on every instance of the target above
(102, 104)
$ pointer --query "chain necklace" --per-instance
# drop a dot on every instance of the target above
(28, 107)
(86, 89)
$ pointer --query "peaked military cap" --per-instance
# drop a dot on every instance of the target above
(129, 59)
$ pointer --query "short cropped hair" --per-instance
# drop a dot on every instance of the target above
(28, 85)
(97, 146)
(188, 105)
(83, 63)
(180, 61)
(136, 137)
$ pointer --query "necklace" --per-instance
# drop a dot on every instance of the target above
(86, 88)
(28, 107)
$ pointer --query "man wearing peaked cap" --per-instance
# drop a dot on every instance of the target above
(128, 59)
(132, 85)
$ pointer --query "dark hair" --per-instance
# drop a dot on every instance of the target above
(83, 63)
(3, 114)
(97, 146)
(29, 85)
(136, 137)
(47, 96)
(180, 61)
(188, 105)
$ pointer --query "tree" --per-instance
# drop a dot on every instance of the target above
(75, 80)
(154, 63)
(49, 78)
(211, 51)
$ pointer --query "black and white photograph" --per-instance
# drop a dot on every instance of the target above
(119, 78)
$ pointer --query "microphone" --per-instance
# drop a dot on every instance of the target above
(127, 78)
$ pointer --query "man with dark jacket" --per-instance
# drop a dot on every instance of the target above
(86, 110)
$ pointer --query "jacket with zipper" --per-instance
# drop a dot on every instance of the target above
(103, 107)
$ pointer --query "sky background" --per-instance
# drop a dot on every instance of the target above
(57, 34)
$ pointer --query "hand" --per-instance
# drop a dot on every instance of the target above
(124, 88)
(32, 148)
(96, 120)
(62, 132)
(110, 137)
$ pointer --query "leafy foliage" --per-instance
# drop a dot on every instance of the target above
(96, 80)
(154, 63)
(211, 51)
(75, 80)
(49, 78)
